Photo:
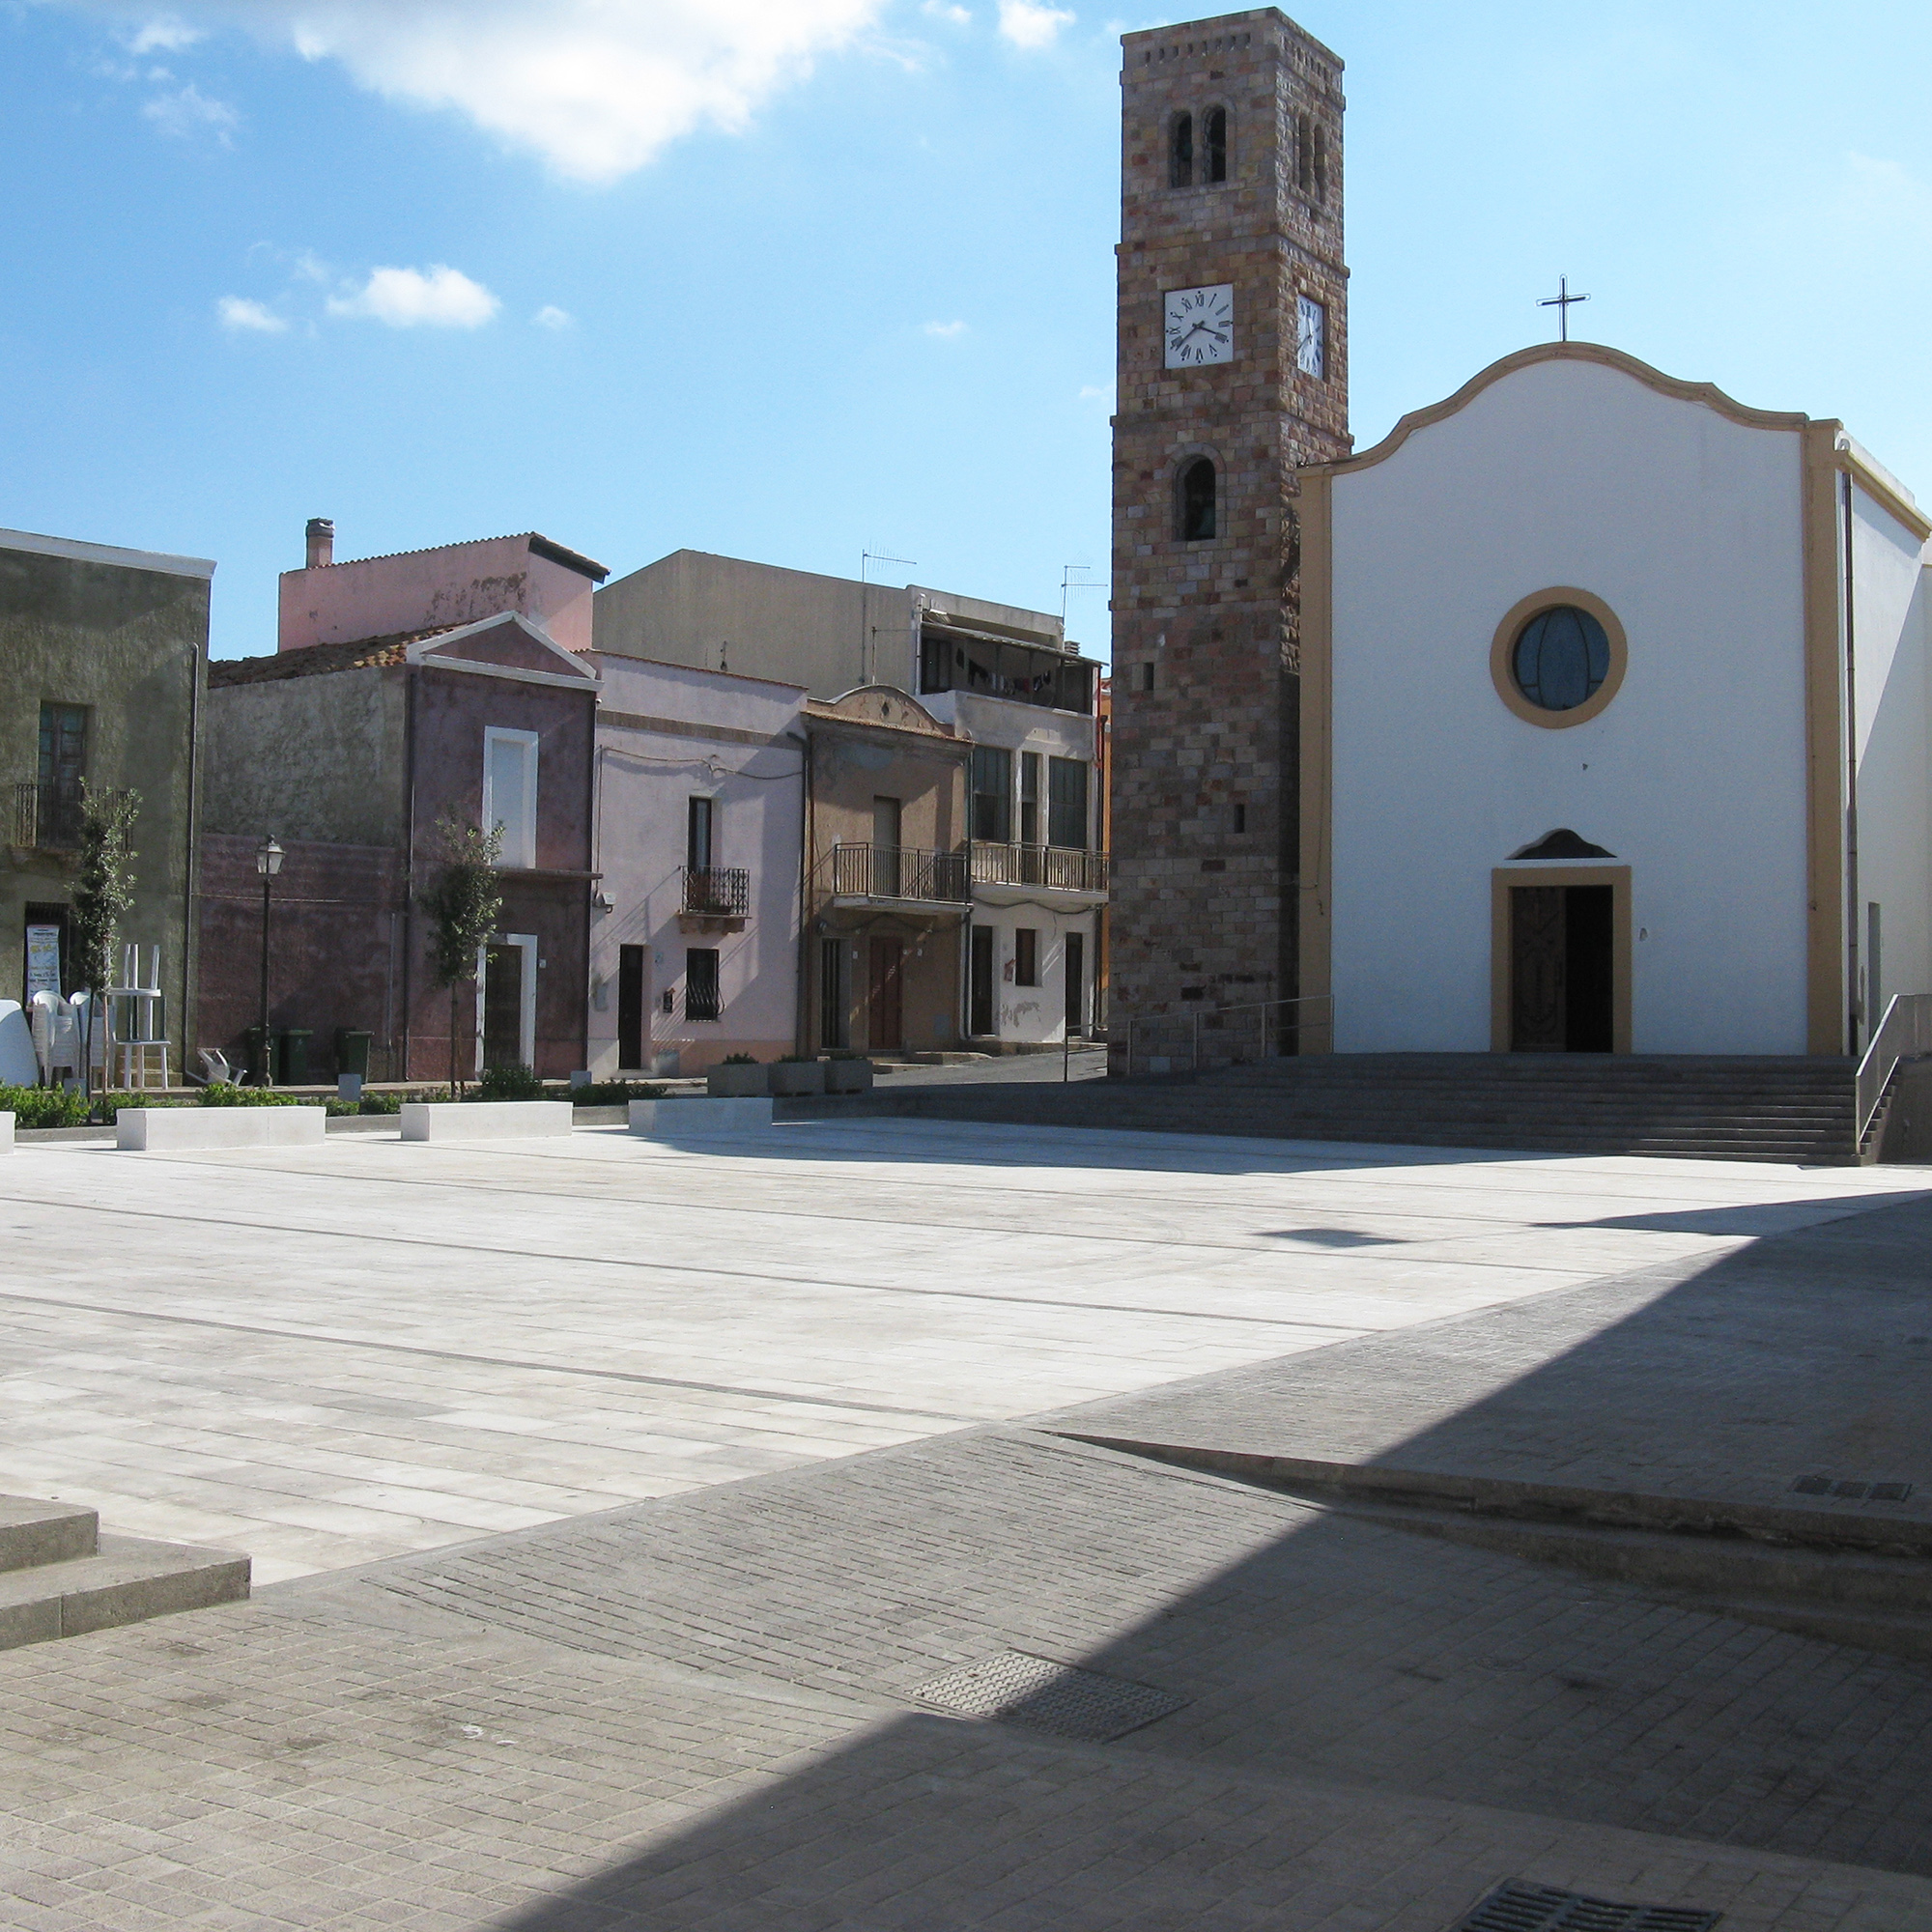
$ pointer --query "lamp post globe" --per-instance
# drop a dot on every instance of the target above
(267, 862)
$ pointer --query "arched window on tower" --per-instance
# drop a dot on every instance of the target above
(1180, 151)
(1304, 153)
(1215, 145)
(1194, 501)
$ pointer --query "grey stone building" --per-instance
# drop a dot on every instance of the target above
(103, 653)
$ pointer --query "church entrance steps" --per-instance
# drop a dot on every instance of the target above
(60, 1577)
(1780, 1568)
(1786, 1110)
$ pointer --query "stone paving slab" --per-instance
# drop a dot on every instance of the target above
(1691, 1391)
(338, 1753)
(326, 1356)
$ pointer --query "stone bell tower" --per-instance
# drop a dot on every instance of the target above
(1233, 347)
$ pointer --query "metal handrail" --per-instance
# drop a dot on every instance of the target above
(1263, 1006)
(901, 872)
(1063, 868)
(718, 892)
(1904, 1034)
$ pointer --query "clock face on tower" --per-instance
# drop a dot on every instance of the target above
(1311, 346)
(1200, 325)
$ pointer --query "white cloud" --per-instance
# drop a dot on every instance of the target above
(239, 313)
(164, 34)
(187, 111)
(439, 298)
(1029, 24)
(941, 10)
(550, 316)
(596, 87)
(946, 331)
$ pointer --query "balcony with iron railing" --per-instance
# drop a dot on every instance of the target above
(1001, 873)
(47, 817)
(716, 899)
(900, 874)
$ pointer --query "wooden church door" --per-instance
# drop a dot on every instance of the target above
(1562, 941)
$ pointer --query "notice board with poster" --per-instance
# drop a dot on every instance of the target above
(44, 960)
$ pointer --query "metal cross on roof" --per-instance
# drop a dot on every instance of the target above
(1561, 303)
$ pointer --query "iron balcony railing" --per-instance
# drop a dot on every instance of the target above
(901, 872)
(1056, 868)
(47, 817)
(719, 891)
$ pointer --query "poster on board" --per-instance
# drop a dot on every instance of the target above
(44, 960)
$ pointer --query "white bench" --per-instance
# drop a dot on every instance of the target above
(6, 1133)
(484, 1120)
(697, 1118)
(167, 1130)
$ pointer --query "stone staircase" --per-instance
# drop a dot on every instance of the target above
(60, 1577)
(1769, 1109)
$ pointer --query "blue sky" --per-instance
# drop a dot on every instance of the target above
(792, 279)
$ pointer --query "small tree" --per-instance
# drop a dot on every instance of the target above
(464, 906)
(103, 888)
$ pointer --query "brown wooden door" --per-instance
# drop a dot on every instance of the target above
(1536, 969)
(885, 1008)
(503, 1007)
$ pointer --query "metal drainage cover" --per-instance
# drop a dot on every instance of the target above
(1048, 1696)
(1539, 1908)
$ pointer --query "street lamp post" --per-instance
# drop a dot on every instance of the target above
(267, 862)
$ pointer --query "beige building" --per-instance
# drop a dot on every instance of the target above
(888, 884)
(1003, 681)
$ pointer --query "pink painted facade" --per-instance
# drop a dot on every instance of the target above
(420, 590)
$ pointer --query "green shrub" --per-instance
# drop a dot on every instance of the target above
(226, 1094)
(43, 1107)
(739, 1059)
(615, 1092)
(509, 1083)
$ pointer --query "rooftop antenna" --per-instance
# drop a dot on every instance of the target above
(867, 559)
(1562, 302)
(1068, 583)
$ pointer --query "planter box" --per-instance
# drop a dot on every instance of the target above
(485, 1119)
(696, 1119)
(736, 1083)
(160, 1129)
(791, 1078)
(6, 1133)
(848, 1076)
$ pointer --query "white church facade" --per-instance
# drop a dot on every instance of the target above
(1616, 725)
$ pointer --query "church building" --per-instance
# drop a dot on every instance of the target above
(1588, 712)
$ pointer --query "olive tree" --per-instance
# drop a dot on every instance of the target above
(464, 904)
(103, 888)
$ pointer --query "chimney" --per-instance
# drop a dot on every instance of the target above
(321, 534)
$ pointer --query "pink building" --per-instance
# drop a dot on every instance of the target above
(418, 590)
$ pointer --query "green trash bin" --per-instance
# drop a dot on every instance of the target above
(291, 1055)
(351, 1051)
(258, 1058)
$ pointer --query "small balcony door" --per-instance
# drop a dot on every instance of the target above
(887, 815)
(980, 983)
(886, 1006)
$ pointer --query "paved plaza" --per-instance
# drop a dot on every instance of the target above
(616, 1506)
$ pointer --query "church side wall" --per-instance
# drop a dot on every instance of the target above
(1686, 524)
(1891, 607)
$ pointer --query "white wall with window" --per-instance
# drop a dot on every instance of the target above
(510, 795)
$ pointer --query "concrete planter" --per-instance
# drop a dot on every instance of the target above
(154, 1129)
(848, 1076)
(485, 1119)
(791, 1078)
(6, 1133)
(737, 1083)
(696, 1119)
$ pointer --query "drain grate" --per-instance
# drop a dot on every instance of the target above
(1853, 1492)
(1540, 1907)
(1048, 1696)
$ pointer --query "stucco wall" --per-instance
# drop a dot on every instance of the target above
(128, 643)
(1893, 687)
(416, 590)
(648, 773)
(308, 757)
(1688, 525)
(1035, 1015)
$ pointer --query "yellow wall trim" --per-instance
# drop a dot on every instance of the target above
(1502, 989)
(1502, 650)
(1826, 988)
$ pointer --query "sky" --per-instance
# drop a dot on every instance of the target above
(802, 280)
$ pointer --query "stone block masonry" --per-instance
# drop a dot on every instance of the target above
(1206, 625)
